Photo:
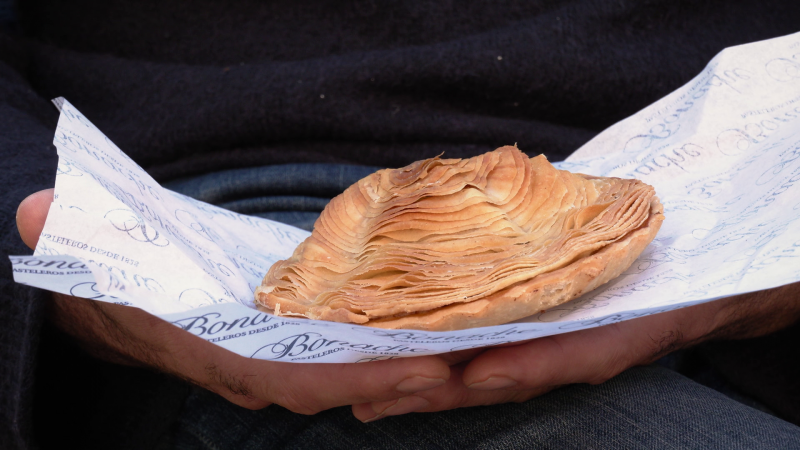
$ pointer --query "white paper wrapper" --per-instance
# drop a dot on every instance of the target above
(723, 153)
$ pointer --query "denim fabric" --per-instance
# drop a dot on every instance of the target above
(645, 407)
(288, 193)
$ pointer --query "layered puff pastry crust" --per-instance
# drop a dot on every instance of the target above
(446, 244)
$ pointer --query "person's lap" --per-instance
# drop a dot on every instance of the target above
(643, 407)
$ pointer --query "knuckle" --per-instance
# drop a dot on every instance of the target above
(465, 398)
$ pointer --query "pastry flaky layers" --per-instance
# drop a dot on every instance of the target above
(447, 244)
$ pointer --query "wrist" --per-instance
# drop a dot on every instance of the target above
(757, 313)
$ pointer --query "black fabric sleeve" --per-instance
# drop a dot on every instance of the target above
(28, 164)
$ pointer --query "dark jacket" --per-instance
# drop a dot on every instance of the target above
(187, 88)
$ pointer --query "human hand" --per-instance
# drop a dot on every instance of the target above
(521, 371)
(514, 372)
(131, 336)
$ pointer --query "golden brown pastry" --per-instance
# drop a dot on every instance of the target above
(447, 244)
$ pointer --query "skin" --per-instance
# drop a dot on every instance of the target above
(510, 373)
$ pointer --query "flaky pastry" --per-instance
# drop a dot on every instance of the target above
(446, 244)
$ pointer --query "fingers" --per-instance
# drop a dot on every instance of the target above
(590, 356)
(597, 354)
(302, 388)
(310, 388)
(379, 383)
(451, 395)
(517, 373)
(525, 370)
(587, 356)
(31, 215)
(520, 372)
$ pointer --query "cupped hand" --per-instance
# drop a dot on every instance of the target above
(512, 373)
(521, 371)
(131, 336)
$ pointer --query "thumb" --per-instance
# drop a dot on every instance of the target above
(31, 215)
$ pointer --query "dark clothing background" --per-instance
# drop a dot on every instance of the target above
(188, 88)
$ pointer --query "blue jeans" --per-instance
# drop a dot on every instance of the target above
(288, 193)
(645, 407)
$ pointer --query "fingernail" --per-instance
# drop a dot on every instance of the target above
(417, 384)
(493, 383)
(404, 405)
